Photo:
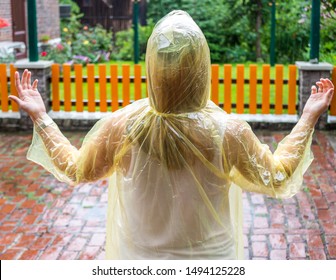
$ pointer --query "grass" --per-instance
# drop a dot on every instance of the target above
(221, 86)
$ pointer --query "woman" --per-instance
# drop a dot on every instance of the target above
(175, 159)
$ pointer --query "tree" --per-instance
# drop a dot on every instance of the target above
(258, 14)
(328, 31)
(226, 31)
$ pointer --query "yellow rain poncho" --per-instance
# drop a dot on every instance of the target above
(175, 159)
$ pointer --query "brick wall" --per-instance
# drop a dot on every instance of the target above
(48, 21)
(5, 13)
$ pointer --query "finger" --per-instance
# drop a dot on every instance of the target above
(320, 86)
(18, 83)
(313, 90)
(34, 85)
(29, 80)
(24, 79)
(329, 83)
(329, 95)
(16, 99)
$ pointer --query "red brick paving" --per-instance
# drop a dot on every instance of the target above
(41, 218)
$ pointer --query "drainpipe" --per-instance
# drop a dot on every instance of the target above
(315, 32)
(32, 31)
(272, 47)
(136, 30)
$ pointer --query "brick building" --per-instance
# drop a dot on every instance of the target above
(15, 12)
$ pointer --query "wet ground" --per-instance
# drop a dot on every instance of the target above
(41, 218)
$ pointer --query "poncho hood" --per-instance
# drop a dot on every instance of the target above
(178, 65)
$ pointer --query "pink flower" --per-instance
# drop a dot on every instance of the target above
(85, 27)
(44, 53)
(60, 47)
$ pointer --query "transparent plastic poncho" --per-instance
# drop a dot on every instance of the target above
(177, 162)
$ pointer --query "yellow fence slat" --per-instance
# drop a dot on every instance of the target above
(55, 75)
(91, 88)
(114, 87)
(278, 89)
(137, 82)
(3, 88)
(240, 88)
(15, 107)
(292, 90)
(126, 84)
(227, 88)
(265, 108)
(253, 89)
(79, 87)
(333, 101)
(214, 83)
(67, 87)
(102, 87)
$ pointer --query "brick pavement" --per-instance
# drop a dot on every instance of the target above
(41, 218)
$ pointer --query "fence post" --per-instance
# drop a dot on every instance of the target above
(309, 74)
(40, 70)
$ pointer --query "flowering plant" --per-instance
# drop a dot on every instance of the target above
(59, 53)
(94, 42)
(80, 43)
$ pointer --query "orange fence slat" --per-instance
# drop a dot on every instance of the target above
(265, 108)
(15, 107)
(240, 89)
(126, 84)
(227, 87)
(253, 89)
(114, 87)
(137, 81)
(91, 88)
(79, 87)
(102, 88)
(67, 87)
(292, 90)
(55, 75)
(333, 101)
(278, 89)
(3, 88)
(214, 83)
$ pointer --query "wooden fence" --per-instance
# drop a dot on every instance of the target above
(234, 92)
(7, 85)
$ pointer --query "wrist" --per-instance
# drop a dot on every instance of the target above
(309, 119)
(42, 122)
(36, 116)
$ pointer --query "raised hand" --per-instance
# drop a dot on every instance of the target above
(320, 98)
(29, 98)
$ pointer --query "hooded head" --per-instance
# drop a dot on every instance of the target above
(178, 65)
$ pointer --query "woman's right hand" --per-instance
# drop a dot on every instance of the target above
(319, 100)
(29, 98)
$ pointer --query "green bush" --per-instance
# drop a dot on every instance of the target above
(124, 42)
(328, 35)
(80, 43)
(95, 43)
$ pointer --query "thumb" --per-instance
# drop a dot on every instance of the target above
(16, 99)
